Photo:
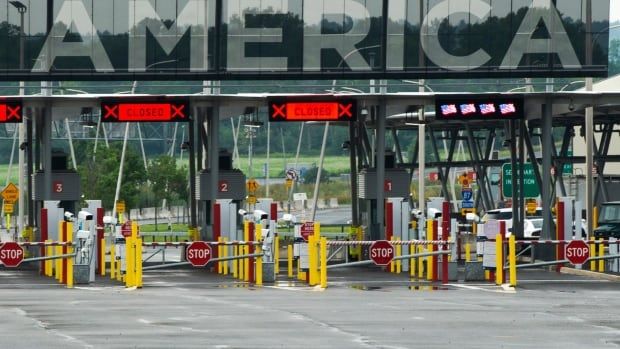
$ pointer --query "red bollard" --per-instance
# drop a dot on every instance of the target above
(251, 249)
(44, 236)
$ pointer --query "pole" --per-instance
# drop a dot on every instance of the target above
(119, 178)
(319, 170)
(22, 132)
(267, 165)
(589, 125)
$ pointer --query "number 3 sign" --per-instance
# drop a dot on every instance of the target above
(57, 187)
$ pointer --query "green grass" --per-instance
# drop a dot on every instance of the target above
(4, 169)
(163, 228)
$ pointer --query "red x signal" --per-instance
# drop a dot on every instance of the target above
(278, 111)
(345, 110)
(111, 111)
(177, 110)
(13, 112)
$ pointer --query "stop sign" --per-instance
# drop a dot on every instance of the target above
(306, 230)
(11, 254)
(198, 253)
(381, 252)
(577, 252)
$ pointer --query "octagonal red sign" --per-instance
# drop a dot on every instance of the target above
(198, 253)
(11, 254)
(577, 252)
(381, 252)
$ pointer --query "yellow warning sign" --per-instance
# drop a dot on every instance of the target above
(10, 193)
(8, 208)
(120, 206)
(252, 199)
(252, 185)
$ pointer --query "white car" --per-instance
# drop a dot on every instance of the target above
(532, 228)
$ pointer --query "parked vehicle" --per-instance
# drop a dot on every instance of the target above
(608, 221)
(532, 228)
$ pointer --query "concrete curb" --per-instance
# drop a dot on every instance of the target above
(588, 273)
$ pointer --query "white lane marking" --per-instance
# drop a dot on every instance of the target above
(490, 288)
(54, 332)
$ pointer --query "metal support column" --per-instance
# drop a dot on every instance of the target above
(353, 174)
(192, 170)
(213, 153)
(380, 167)
(547, 143)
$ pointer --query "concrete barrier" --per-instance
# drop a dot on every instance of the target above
(333, 203)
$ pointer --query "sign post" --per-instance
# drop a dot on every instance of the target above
(577, 252)
(199, 253)
(381, 252)
(11, 254)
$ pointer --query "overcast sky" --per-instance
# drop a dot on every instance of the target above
(614, 12)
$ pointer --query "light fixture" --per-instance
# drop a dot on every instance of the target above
(86, 116)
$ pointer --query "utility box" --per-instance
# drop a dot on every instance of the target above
(231, 185)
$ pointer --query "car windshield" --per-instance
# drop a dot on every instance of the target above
(609, 214)
(497, 215)
(537, 223)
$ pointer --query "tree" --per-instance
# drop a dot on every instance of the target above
(99, 176)
(167, 181)
(614, 57)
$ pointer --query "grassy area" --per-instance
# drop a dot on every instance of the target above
(4, 169)
(163, 227)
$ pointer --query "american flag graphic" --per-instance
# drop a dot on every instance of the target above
(468, 109)
(488, 108)
(448, 109)
(508, 108)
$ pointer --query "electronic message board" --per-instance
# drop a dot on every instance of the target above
(165, 110)
(483, 107)
(296, 109)
(302, 39)
(11, 112)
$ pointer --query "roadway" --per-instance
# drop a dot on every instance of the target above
(363, 308)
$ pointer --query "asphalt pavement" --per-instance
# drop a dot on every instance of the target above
(361, 308)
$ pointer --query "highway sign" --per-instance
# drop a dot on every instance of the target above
(291, 174)
(11, 254)
(120, 206)
(306, 230)
(10, 193)
(199, 253)
(252, 185)
(381, 252)
(577, 252)
(530, 186)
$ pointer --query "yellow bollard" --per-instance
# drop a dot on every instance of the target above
(276, 255)
(399, 263)
(58, 264)
(129, 261)
(259, 260)
(412, 250)
(102, 257)
(289, 256)
(429, 260)
(246, 251)
(512, 259)
(420, 263)
(601, 262)
(311, 260)
(69, 252)
(138, 279)
(220, 253)
(592, 253)
(225, 255)
(360, 237)
(299, 272)
(594, 218)
(499, 260)
(323, 262)
(112, 261)
(392, 264)
(49, 251)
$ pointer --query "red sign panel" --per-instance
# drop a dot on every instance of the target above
(11, 112)
(312, 110)
(198, 253)
(306, 230)
(577, 252)
(387, 186)
(57, 187)
(11, 254)
(381, 252)
(150, 111)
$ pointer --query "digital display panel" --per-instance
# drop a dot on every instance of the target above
(484, 107)
(312, 110)
(10, 112)
(145, 111)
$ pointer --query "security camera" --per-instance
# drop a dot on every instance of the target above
(69, 216)
(85, 215)
(109, 220)
(416, 213)
(433, 212)
(242, 212)
(259, 214)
